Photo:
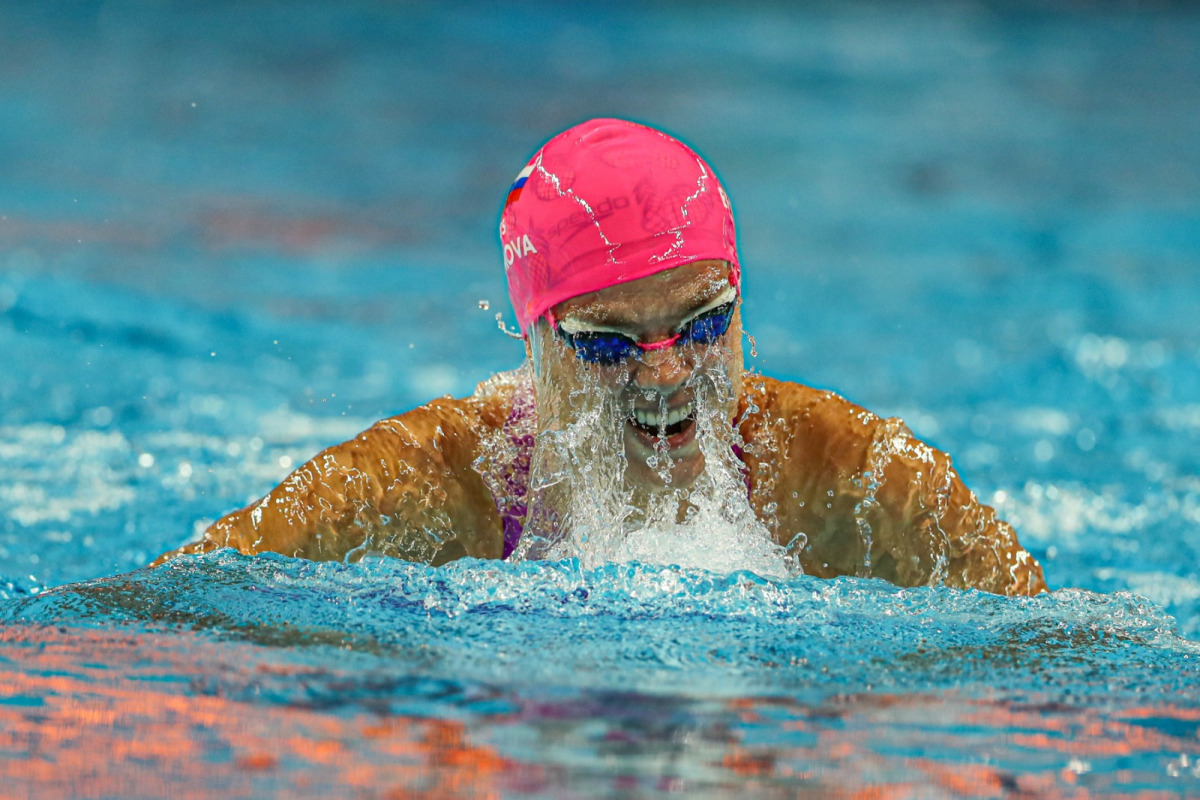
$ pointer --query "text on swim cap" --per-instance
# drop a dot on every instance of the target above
(517, 248)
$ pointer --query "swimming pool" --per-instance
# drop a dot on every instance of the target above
(230, 237)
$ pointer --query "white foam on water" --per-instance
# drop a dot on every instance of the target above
(52, 474)
(1067, 515)
(1161, 587)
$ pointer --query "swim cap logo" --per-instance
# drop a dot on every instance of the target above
(552, 181)
(581, 220)
(675, 207)
(517, 248)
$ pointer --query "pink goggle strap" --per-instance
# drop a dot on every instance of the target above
(663, 345)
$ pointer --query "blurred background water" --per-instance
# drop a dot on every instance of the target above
(232, 234)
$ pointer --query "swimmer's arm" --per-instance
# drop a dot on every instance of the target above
(924, 509)
(404, 487)
(913, 522)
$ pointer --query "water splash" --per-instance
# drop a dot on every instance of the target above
(584, 502)
(647, 625)
(893, 439)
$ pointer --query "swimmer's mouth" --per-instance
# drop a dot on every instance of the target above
(673, 423)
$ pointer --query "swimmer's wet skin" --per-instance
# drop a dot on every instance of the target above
(620, 255)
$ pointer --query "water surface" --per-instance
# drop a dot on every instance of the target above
(231, 236)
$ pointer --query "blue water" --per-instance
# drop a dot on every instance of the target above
(230, 236)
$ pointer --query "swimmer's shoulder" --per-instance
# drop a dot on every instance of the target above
(771, 405)
(457, 423)
(503, 396)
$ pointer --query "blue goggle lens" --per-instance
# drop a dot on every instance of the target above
(708, 327)
(613, 348)
(603, 348)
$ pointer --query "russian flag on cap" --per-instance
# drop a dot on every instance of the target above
(514, 191)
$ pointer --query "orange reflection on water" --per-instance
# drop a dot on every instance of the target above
(1053, 747)
(103, 713)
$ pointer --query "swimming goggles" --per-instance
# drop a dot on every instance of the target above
(609, 348)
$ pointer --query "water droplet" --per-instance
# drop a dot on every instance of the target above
(515, 334)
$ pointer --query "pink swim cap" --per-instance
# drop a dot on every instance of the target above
(607, 202)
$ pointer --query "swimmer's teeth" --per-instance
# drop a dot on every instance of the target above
(651, 419)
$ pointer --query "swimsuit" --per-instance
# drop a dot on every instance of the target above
(510, 492)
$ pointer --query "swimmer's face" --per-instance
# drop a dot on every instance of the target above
(651, 309)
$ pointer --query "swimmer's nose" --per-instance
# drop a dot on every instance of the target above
(662, 370)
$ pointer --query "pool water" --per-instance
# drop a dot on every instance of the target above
(231, 236)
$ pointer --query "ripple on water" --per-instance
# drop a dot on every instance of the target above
(555, 623)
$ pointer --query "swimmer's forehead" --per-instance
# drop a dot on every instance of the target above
(669, 296)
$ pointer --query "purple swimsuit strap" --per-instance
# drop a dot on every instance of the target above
(513, 502)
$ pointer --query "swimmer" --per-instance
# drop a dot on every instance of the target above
(634, 412)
